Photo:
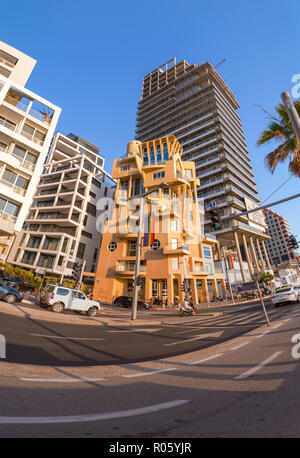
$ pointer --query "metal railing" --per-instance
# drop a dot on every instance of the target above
(15, 188)
(8, 217)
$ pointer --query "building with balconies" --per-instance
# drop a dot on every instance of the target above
(194, 103)
(27, 124)
(60, 228)
(181, 254)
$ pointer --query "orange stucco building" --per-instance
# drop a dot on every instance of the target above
(181, 254)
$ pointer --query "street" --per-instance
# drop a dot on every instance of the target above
(223, 376)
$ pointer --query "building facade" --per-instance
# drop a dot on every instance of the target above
(27, 124)
(60, 228)
(193, 103)
(181, 256)
(277, 246)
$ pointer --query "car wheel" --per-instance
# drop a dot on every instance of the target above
(92, 311)
(10, 298)
(58, 307)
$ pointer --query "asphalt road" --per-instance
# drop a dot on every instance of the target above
(246, 387)
(30, 341)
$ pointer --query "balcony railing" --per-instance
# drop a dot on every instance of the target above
(7, 62)
(8, 217)
(15, 188)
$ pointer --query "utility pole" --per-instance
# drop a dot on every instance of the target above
(292, 113)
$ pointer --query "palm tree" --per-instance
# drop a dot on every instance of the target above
(281, 130)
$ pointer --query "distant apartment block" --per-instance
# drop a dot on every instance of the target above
(193, 103)
(277, 246)
(60, 228)
(27, 124)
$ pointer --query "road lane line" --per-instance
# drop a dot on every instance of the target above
(263, 334)
(67, 338)
(93, 417)
(62, 379)
(240, 345)
(205, 359)
(197, 337)
(277, 326)
(259, 366)
(143, 374)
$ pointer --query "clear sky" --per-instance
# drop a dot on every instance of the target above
(93, 54)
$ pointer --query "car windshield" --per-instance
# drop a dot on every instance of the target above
(283, 290)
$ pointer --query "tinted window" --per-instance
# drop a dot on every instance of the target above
(62, 292)
(283, 290)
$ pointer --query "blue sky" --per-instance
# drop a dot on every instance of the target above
(92, 56)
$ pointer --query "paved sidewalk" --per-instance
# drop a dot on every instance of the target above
(109, 316)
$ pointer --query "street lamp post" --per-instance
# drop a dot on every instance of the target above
(256, 277)
(139, 250)
(292, 113)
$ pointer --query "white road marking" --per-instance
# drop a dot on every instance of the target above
(62, 379)
(240, 345)
(143, 374)
(258, 366)
(67, 338)
(134, 330)
(277, 326)
(205, 359)
(197, 337)
(263, 334)
(93, 417)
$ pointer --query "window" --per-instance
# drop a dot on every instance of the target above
(166, 153)
(174, 225)
(152, 156)
(95, 255)
(34, 242)
(87, 234)
(154, 288)
(92, 194)
(158, 175)
(132, 249)
(46, 261)
(96, 183)
(145, 157)
(206, 252)
(81, 250)
(8, 207)
(78, 295)
(91, 209)
(28, 258)
(62, 292)
(175, 265)
(199, 284)
(124, 168)
(209, 268)
(158, 155)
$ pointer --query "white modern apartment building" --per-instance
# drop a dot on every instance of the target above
(27, 124)
(60, 228)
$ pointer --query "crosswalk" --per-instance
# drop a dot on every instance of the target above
(234, 319)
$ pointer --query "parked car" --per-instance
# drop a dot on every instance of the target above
(126, 301)
(60, 298)
(284, 294)
(8, 294)
(22, 285)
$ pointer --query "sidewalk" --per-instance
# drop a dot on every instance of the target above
(109, 316)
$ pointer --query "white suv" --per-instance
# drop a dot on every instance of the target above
(60, 298)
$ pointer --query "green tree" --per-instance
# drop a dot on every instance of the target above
(266, 278)
(281, 131)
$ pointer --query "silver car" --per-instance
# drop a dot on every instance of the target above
(60, 298)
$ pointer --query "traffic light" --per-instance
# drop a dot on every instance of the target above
(227, 285)
(215, 218)
(292, 242)
(76, 271)
(139, 281)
